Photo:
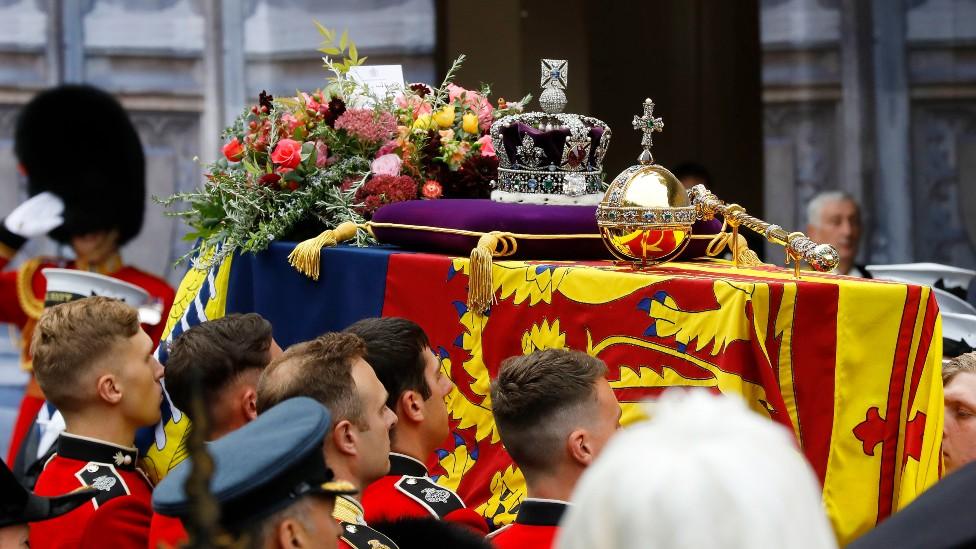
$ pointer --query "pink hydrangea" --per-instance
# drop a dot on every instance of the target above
(367, 124)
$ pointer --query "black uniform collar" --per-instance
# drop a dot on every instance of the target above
(90, 449)
(540, 512)
(401, 465)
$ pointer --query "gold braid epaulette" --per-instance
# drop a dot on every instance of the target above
(31, 306)
(347, 510)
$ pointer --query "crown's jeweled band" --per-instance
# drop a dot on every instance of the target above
(548, 182)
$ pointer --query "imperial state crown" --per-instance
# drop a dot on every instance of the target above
(550, 157)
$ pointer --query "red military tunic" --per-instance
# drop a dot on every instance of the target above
(356, 534)
(408, 491)
(79, 462)
(166, 531)
(535, 526)
(122, 523)
(22, 302)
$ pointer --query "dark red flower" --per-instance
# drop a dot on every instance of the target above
(269, 180)
(421, 89)
(472, 178)
(336, 108)
(265, 99)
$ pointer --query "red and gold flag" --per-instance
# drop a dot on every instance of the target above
(852, 367)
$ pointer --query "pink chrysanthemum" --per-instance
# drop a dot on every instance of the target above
(367, 125)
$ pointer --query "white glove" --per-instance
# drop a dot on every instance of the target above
(37, 216)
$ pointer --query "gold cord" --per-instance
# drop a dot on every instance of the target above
(31, 306)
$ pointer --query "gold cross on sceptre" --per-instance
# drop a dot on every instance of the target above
(647, 124)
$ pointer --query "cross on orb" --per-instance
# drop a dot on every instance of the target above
(647, 124)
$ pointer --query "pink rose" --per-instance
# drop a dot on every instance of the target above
(287, 153)
(415, 104)
(388, 164)
(454, 91)
(234, 151)
(485, 114)
(291, 122)
(486, 147)
(310, 102)
(321, 154)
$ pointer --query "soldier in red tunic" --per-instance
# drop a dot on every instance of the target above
(555, 412)
(96, 364)
(227, 355)
(88, 193)
(400, 354)
(331, 370)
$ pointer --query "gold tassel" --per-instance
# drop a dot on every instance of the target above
(747, 257)
(481, 293)
(307, 255)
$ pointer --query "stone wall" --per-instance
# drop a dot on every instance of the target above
(877, 98)
(184, 69)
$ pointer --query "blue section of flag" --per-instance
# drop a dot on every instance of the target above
(351, 286)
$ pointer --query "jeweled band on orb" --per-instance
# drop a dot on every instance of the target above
(660, 217)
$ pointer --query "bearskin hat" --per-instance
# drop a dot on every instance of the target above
(78, 142)
(430, 533)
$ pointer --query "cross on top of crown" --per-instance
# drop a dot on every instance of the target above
(647, 124)
(555, 72)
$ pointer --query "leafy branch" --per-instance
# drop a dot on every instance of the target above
(330, 47)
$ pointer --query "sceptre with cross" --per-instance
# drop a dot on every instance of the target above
(647, 124)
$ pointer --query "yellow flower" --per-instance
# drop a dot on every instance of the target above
(445, 117)
(423, 122)
(469, 123)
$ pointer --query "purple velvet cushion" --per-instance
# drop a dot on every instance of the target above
(486, 216)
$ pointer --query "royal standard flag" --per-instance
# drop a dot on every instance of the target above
(851, 367)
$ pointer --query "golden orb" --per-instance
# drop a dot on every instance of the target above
(646, 216)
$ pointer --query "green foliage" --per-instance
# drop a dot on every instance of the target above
(230, 213)
(339, 49)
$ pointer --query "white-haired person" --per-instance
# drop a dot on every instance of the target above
(834, 217)
(703, 472)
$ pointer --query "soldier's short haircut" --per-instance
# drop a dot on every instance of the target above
(217, 352)
(70, 339)
(539, 399)
(320, 369)
(395, 348)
